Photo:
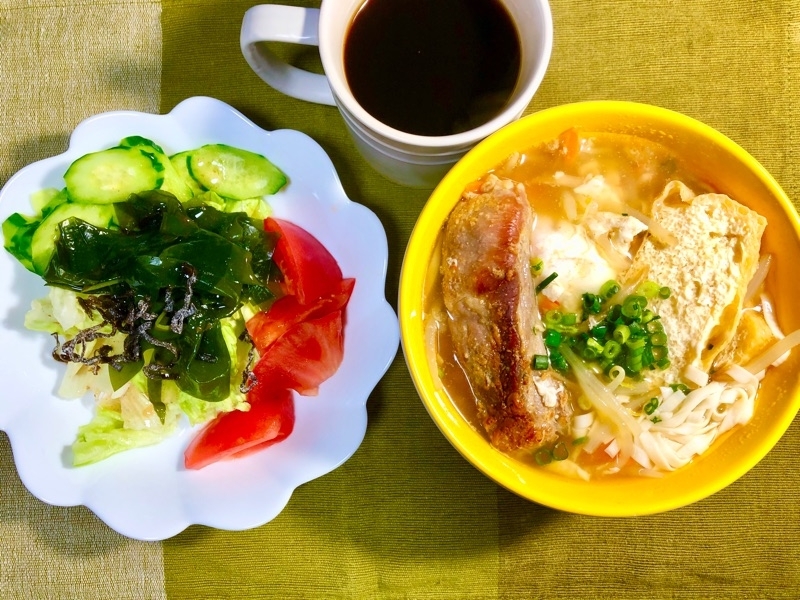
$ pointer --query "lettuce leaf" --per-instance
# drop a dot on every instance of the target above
(106, 435)
(58, 312)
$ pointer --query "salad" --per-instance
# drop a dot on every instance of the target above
(173, 295)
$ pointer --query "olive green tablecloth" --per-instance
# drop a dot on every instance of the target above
(407, 517)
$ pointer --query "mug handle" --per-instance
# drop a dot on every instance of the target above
(291, 24)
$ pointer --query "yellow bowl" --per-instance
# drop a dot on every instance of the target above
(717, 160)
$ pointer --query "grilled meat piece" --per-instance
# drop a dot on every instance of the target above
(490, 297)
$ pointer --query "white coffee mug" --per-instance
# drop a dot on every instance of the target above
(405, 158)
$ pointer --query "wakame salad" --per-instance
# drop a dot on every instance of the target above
(153, 264)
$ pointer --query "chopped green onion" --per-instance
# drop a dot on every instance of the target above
(592, 303)
(608, 289)
(568, 330)
(581, 440)
(628, 334)
(636, 343)
(614, 314)
(656, 419)
(647, 356)
(552, 338)
(648, 316)
(594, 345)
(648, 289)
(633, 363)
(664, 293)
(654, 326)
(558, 361)
(637, 330)
(612, 349)
(659, 352)
(546, 281)
(590, 353)
(679, 387)
(536, 267)
(659, 339)
(633, 306)
(651, 406)
(560, 451)
(540, 362)
(553, 317)
(543, 457)
(622, 333)
(569, 319)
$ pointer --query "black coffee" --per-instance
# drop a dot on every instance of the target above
(432, 67)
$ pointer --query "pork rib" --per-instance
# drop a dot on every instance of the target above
(491, 301)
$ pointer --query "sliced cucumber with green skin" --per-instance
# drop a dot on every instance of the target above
(47, 199)
(181, 163)
(234, 173)
(112, 175)
(44, 238)
(174, 182)
(137, 141)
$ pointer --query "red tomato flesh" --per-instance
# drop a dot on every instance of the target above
(286, 420)
(267, 326)
(304, 356)
(309, 270)
(269, 420)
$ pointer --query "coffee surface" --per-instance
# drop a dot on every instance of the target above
(432, 67)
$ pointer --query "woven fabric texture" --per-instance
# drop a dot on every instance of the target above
(407, 516)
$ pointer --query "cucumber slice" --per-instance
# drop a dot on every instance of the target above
(180, 162)
(112, 175)
(47, 199)
(173, 183)
(137, 141)
(234, 173)
(44, 238)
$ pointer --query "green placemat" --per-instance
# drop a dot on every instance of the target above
(406, 516)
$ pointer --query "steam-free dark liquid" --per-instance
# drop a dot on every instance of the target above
(432, 67)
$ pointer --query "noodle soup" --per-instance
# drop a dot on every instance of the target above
(657, 358)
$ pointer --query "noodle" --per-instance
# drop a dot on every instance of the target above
(774, 352)
(758, 278)
(432, 325)
(688, 424)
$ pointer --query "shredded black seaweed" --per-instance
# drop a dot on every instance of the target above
(121, 313)
(74, 350)
(249, 379)
(188, 309)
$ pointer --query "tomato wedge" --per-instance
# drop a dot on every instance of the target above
(309, 270)
(304, 356)
(286, 418)
(300, 340)
(267, 326)
(269, 420)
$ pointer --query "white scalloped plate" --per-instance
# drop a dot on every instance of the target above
(146, 493)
